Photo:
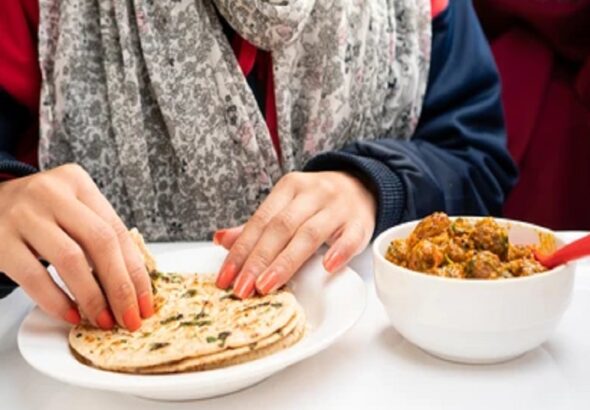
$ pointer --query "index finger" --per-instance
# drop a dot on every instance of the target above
(277, 200)
(91, 196)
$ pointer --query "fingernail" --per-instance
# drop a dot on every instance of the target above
(146, 307)
(218, 236)
(131, 319)
(244, 285)
(105, 320)
(268, 283)
(227, 274)
(72, 316)
(333, 261)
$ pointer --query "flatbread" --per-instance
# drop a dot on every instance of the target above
(196, 318)
(196, 326)
(148, 258)
(290, 334)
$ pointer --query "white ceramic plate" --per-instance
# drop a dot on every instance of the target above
(332, 305)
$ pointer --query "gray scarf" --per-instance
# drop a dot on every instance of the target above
(148, 97)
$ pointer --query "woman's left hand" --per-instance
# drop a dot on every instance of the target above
(303, 211)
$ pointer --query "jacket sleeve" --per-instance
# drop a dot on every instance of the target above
(457, 161)
(14, 120)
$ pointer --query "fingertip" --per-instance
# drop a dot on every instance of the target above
(72, 316)
(268, 283)
(218, 236)
(333, 260)
(105, 320)
(131, 319)
(245, 285)
(226, 275)
(146, 305)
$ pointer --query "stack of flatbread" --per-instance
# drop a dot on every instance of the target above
(197, 326)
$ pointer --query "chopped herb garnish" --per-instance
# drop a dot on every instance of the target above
(276, 305)
(222, 336)
(172, 319)
(211, 339)
(190, 293)
(146, 334)
(256, 306)
(198, 323)
(201, 314)
(156, 346)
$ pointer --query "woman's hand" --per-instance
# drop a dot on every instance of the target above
(61, 216)
(303, 211)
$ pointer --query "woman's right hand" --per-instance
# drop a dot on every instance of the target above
(61, 216)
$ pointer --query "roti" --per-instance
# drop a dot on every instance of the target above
(196, 326)
(195, 318)
(290, 334)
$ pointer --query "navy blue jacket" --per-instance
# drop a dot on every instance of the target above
(457, 161)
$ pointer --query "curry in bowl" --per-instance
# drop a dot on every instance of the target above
(463, 249)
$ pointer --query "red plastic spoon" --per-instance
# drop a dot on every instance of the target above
(572, 251)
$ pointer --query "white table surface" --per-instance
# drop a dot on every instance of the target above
(371, 367)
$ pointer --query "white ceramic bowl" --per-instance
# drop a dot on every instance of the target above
(468, 320)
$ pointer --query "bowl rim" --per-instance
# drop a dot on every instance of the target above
(469, 282)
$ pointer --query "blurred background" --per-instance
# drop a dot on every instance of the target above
(542, 49)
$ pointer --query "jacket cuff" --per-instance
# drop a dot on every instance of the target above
(386, 184)
(6, 285)
(11, 168)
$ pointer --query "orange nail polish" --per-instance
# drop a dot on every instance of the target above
(146, 307)
(226, 275)
(333, 261)
(218, 236)
(105, 320)
(131, 319)
(72, 316)
(268, 282)
(244, 285)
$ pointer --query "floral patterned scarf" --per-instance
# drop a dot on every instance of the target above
(148, 97)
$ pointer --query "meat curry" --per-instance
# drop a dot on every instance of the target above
(463, 249)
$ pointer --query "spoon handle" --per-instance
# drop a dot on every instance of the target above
(572, 251)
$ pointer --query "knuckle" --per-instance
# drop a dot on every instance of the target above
(138, 274)
(358, 232)
(260, 217)
(28, 278)
(119, 228)
(40, 184)
(17, 213)
(69, 255)
(294, 177)
(93, 304)
(123, 291)
(327, 187)
(285, 222)
(259, 260)
(286, 263)
(103, 236)
(72, 169)
(239, 251)
(311, 233)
